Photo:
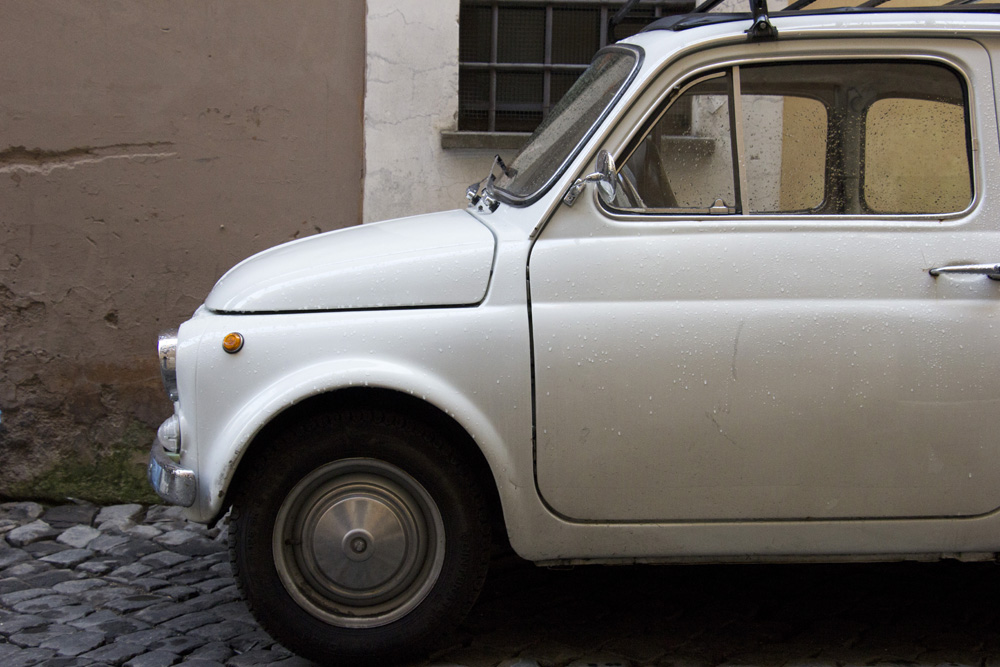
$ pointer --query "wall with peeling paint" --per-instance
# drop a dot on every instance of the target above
(411, 95)
(144, 149)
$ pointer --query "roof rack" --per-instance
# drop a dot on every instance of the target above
(762, 29)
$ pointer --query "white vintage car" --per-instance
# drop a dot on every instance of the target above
(736, 300)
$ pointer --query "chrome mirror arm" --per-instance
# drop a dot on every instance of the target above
(605, 177)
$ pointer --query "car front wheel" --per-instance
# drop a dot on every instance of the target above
(359, 536)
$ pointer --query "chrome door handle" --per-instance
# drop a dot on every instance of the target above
(988, 270)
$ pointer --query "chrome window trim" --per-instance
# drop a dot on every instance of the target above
(800, 219)
(514, 200)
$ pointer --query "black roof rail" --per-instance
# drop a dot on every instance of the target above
(702, 14)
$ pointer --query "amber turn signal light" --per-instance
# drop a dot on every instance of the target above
(232, 343)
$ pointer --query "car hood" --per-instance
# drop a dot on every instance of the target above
(439, 259)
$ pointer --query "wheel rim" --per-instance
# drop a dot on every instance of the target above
(358, 543)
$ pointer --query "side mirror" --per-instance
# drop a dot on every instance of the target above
(606, 178)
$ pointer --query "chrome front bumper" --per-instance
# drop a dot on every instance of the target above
(176, 485)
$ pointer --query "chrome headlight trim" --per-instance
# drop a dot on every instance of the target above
(166, 349)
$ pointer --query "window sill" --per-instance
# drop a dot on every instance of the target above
(495, 141)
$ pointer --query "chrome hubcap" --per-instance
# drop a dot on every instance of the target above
(358, 543)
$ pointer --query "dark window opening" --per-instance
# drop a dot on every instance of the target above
(517, 59)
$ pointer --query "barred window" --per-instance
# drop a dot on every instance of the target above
(516, 59)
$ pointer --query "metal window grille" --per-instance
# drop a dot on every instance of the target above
(516, 59)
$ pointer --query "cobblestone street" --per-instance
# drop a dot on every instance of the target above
(137, 586)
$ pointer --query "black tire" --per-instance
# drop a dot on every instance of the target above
(358, 537)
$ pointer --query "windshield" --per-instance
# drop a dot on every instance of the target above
(568, 125)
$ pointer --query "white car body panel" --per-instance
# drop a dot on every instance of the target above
(442, 259)
(473, 360)
(736, 330)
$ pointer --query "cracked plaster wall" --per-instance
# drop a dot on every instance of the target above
(411, 95)
(144, 149)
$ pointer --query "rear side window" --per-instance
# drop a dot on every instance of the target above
(821, 138)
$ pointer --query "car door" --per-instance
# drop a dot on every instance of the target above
(749, 330)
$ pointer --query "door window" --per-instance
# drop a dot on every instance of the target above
(823, 138)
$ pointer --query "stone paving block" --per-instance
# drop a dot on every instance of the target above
(116, 653)
(12, 556)
(221, 556)
(145, 637)
(133, 603)
(11, 623)
(255, 657)
(198, 662)
(48, 568)
(120, 626)
(33, 637)
(28, 658)
(190, 578)
(26, 569)
(212, 585)
(44, 548)
(6, 651)
(188, 622)
(74, 643)
(114, 513)
(7, 525)
(51, 578)
(150, 583)
(177, 593)
(130, 571)
(42, 603)
(67, 613)
(94, 619)
(187, 567)
(12, 585)
(10, 599)
(106, 542)
(235, 611)
(65, 516)
(65, 661)
(113, 591)
(69, 557)
(180, 644)
(135, 548)
(199, 546)
(216, 651)
(256, 638)
(154, 659)
(212, 600)
(221, 631)
(176, 524)
(174, 538)
(163, 559)
(21, 512)
(78, 536)
(144, 532)
(164, 513)
(76, 586)
(30, 533)
(161, 612)
(99, 566)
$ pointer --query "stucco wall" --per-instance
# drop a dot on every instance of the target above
(144, 149)
(411, 95)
